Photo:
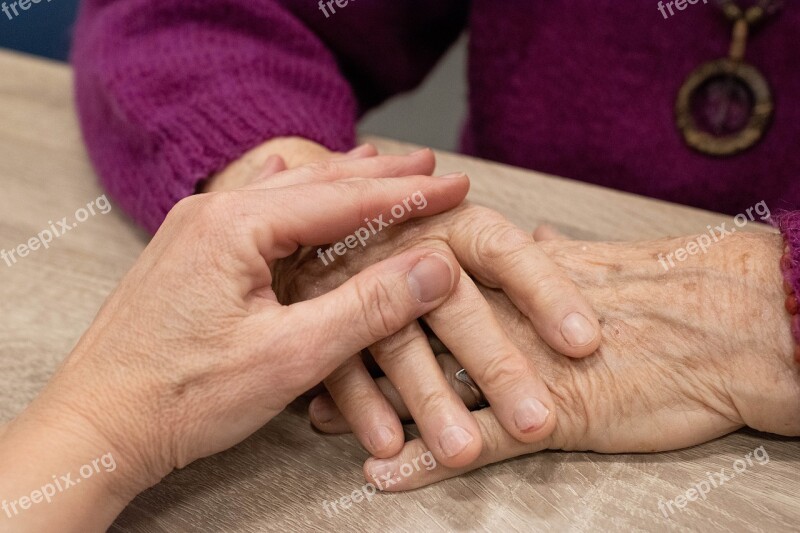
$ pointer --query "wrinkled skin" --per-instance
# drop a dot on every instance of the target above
(522, 402)
(687, 355)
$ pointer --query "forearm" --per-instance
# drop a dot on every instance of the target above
(58, 475)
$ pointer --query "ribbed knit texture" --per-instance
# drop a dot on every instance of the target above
(170, 91)
(789, 224)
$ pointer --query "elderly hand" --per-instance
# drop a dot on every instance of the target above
(490, 249)
(688, 355)
(500, 255)
(192, 352)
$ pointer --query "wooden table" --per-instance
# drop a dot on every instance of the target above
(277, 480)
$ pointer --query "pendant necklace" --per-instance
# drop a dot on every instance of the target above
(725, 106)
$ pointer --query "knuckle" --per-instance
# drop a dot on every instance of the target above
(364, 190)
(469, 213)
(380, 310)
(491, 434)
(501, 241)
(218, 201)
(501, 373)
(323, 168)
(573, 395)
(468, 219)
(187, 208)
(549, 286)
(432, 402)
(401, 344)
(213, 208)
(189, 203)
(348, 397)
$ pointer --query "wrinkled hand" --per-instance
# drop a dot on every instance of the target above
(498, 254)
(687, 355)
(501, 255)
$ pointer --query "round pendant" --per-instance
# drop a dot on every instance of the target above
(724, 107)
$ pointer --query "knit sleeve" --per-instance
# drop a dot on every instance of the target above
(789, 224)
(171, 91)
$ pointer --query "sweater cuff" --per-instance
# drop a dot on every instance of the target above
(789, 225)
(221, 128)
(148, 174)
(167, 105)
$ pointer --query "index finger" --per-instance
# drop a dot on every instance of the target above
(421, 162)
(283, 219)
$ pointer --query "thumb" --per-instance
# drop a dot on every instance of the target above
(371, 306)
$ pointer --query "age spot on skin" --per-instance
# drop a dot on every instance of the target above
(609, 327)
(745, 263)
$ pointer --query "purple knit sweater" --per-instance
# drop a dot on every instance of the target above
(170, 91)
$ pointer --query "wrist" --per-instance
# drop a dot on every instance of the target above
(789, 224)
(92, 407)
(765, 382)
(59, 474)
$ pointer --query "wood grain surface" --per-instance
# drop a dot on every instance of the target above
(277, 480)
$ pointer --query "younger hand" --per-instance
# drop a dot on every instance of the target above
(192, 352)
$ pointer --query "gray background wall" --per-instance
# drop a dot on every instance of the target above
(432, 115)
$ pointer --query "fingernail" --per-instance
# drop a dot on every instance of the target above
(420, 152)
(577, 330)
(431, 278)
(380, 437)
(453, 175)
(322, 410)
(531, 414)
(381, 470)
(453, 440)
